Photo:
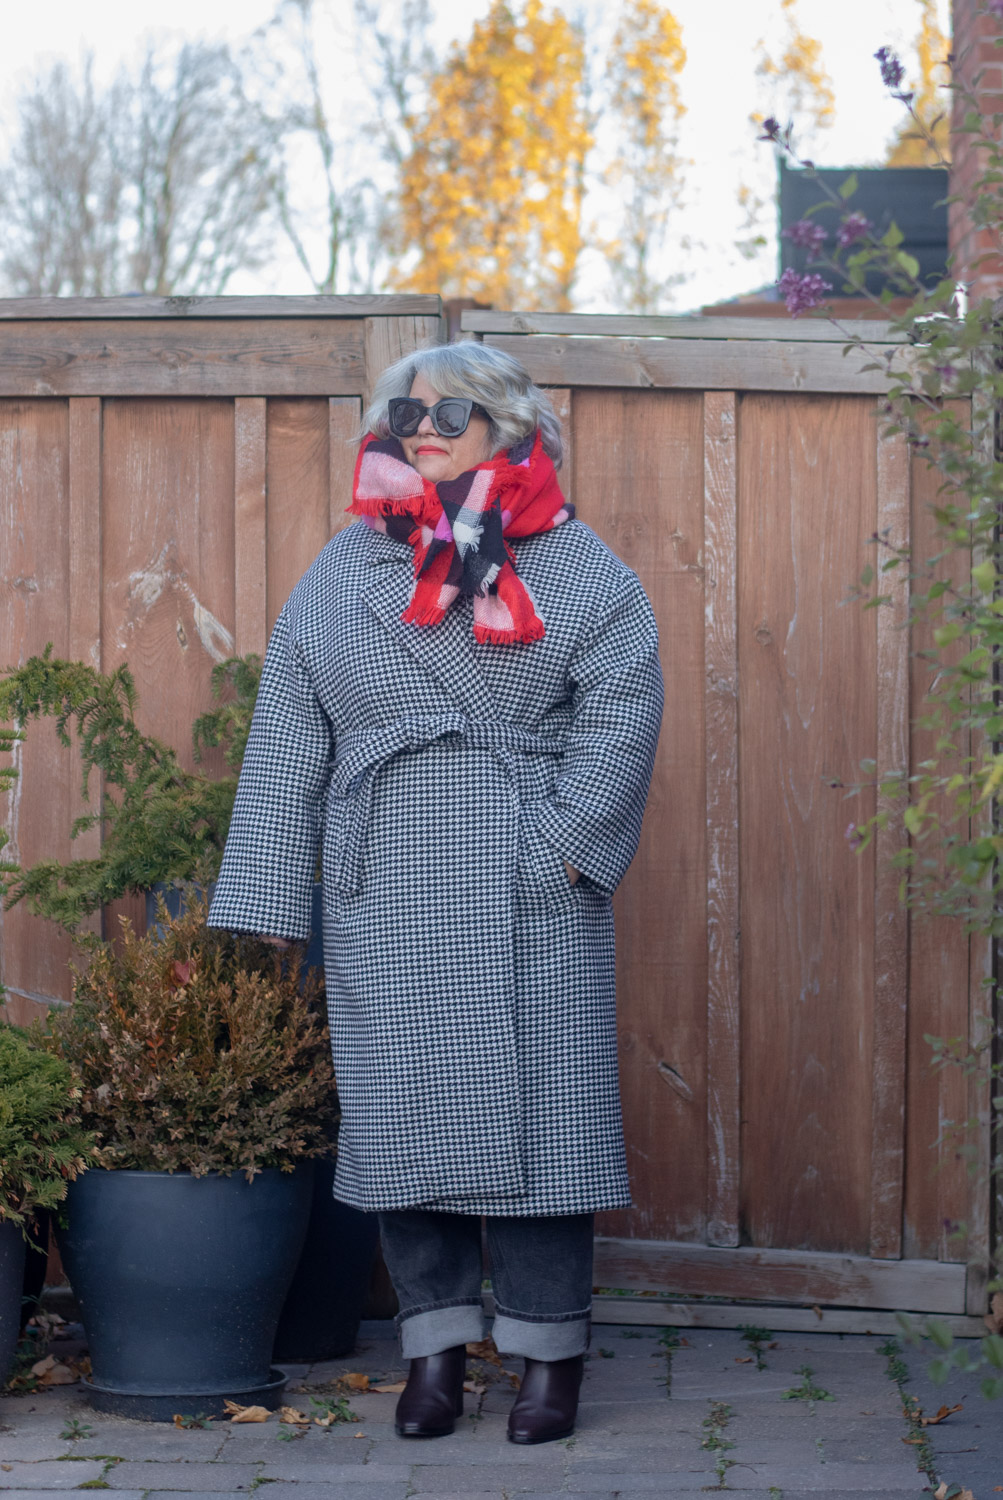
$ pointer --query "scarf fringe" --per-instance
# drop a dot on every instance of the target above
(418, 510)
(532, 630)
(423, 614)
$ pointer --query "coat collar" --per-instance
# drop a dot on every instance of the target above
(446, 652)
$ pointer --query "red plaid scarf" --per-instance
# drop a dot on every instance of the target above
(458, 530)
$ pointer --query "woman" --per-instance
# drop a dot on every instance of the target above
(461, 699)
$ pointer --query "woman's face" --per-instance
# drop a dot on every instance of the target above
(437, 458)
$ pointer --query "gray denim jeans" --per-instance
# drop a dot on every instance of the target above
(541, 1275)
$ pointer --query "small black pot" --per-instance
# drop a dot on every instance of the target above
(180, 1281)
(321, 1316)
(11, 1292)
(36, 1263)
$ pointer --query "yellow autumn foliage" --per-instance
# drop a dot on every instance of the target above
(646, 59)
(911, 146)
(491, 191)
(799, 75)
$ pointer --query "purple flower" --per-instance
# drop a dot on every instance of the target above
(853, 836)
(855, 226)
(892, 71)
(771, 130)
(948, 372)
(995, 8)
(802, 292)
(808, 235)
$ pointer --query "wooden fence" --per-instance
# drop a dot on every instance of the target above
(167, 471)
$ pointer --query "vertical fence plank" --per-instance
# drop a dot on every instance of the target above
(85, 589)
(387, 339)
(299, 492)
(250, 531)
(344, 414)
(561, 398)
(34, 610)
(807, 689)
(891, 928)
(982, 1019)
(721, 709)
(937, 1182)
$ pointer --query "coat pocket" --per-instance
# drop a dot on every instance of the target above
(542, 866)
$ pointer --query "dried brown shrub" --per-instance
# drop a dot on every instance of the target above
(199, 1051)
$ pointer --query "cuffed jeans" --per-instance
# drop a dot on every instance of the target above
(541, 1274)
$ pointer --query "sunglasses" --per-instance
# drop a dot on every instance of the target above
(449, 416)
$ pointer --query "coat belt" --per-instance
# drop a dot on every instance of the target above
(360, 754)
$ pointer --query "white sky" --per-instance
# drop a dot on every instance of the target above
(719, 89)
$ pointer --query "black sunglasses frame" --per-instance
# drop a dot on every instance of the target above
(470, 407)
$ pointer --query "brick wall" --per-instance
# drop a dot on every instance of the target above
(978, 63)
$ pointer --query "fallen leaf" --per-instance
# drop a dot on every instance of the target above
(291, 1417)
(912, 1442)
(942, 1414)
(817, 1311)
(774, 1345)
(358, 1434)
(6, 1468)
(485, 1349)
(685, 1344)
(955, 1492)
(994, 1322)
(743, 1359)
(238, 1413)
(354, 1381)
(396, 1385)
(51, 1372)
(327, 1421)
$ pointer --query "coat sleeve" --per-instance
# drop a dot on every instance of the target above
(266, 881)
(593, 818)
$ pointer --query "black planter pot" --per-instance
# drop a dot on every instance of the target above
(11, 1285)
(36, 1261)
(180, 1281)
(321, 1316)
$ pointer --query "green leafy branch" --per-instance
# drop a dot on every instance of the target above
(158, 821)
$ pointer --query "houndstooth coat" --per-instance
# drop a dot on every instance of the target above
(470, 984)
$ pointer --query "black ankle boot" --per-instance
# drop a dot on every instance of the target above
(433, 1397)
(547, 1403)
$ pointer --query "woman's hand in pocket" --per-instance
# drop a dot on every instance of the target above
(573, 874)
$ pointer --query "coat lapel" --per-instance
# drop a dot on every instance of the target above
(445, 652)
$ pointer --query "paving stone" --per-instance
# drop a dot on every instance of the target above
(369, 1473)
(158, 1440)
(480, 1451)
(264, 1445)
(457, 1479)
(922, 1488)
(182, 1476)
(31, 1446)
(643, 1463)
(354, 1484)
(868, 1480)
(48, 1475)
(651, 1417)
(626, 1481)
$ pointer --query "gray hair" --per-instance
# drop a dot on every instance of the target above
(483, 374)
